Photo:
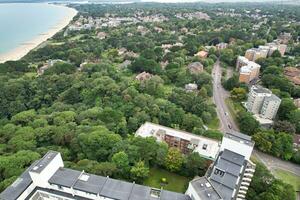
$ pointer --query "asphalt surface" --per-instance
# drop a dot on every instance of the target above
(219, 96)
(227, 123)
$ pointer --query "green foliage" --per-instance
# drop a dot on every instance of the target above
(139, 172)
(174, 160)
(264, 186)
(247, 123)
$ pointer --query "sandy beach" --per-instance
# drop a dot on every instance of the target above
(27, 46)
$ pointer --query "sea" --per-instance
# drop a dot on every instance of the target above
(22, 22)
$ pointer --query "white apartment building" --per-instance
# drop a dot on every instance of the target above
(262, 102)
(186, 142)
(264, 51)
(47, 179)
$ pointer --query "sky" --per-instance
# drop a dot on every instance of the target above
(210, 1)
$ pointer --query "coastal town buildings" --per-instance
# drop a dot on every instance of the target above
(186, 142)
(248, 70)
(263, 104)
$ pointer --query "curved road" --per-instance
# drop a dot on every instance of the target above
(219, 96)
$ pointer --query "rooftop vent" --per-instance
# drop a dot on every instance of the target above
(208, 194)
(202, 184)
(207, 184)
(155, 193)
(84, 177)
(35, 167)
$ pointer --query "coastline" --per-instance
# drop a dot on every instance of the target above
(27, 46)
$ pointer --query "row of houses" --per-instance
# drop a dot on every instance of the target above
(228, 178)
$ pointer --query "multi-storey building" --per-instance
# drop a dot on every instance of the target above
(249, 70)
(230, 175)
(254, 53)
(262, 102)
(264, 51)
(47, 179)
(186, 142)
(228, 178)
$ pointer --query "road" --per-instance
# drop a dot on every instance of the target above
(219, 96)
(227, 123)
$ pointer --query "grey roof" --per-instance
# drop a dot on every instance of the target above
(18, 187)
(273, 97)
(108, 187)
(92, 185)
(204, 189)
(260, 89)
(168, 195)
(43, 162)
(65, 177)
(117, 189)
(240, 137)
(226, 171)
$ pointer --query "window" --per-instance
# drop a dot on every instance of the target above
(219, 172)
(204, 146)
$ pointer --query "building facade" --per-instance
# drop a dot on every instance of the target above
(47, 179)
(249, 70)
(230, 175)
(262, 102)
(186, 142)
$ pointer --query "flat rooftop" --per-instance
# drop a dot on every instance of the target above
(204, 189)
(43, 162)
(108, 187)
(211, 149)
(239, 137)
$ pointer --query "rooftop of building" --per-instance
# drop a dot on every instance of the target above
(90, 183)
(204, 189)
(226, 172)
(43, 162)
(260, 89)
(149, 129)
(273, 97)
(240, 137)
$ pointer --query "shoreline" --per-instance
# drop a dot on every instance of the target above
(25, 47)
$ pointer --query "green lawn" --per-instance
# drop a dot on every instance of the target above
(289, 178)
(214, 124)
(176, 182)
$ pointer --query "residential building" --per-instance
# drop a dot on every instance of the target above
(297, 102)
(254, 53)
(284, 38)
(249, 70)
(202, 54)
(228, 178)
(186, 142)
(222, 45)
(47, 179)
(270, 107)
(262, 102)
(195, 68)
(293, 74)
(143, 76)
(230, 175)
(191, 87)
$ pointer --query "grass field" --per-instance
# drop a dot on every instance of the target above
(214, 124)
(176, 183)
(289, 178)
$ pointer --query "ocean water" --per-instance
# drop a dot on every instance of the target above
(22, 22)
